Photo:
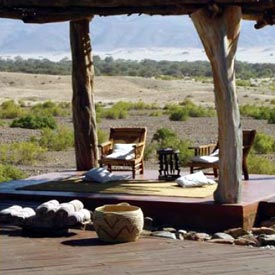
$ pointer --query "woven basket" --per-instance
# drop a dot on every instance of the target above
(116, 223)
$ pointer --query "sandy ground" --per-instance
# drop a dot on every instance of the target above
(35, 88)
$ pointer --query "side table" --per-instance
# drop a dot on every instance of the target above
(168, 164)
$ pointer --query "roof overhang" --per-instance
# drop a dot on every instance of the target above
(46, 11)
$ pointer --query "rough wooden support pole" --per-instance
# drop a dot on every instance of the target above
(219, 35)
(84, 115)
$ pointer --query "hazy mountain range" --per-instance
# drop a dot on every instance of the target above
(121, 32)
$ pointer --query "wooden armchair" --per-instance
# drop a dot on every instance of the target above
(124, 149)
(206, 156)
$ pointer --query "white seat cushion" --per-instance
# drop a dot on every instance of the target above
(122, 151)
(215, 153)
(206, 159)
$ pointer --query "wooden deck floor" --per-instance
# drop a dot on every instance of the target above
(82, 253)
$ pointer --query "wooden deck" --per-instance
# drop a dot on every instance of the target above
(188, 213)
(82, 253)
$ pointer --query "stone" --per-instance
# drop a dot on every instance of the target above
(236, 232)
(169, 229)
(191, 235)
(200, 236)
(145, 232)
(164, 234)
(223, 236)
(247, 240)
(183, 232)
(267, 239)
(262, 230)
(180, 236)
(148, 224)
(222, 241)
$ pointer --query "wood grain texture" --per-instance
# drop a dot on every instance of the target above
(35, 11)
(82, 253)
(219, 35)
(84, 115)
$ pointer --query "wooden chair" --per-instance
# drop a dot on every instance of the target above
(124, 149)
(211, 150)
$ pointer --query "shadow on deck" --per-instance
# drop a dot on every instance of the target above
(190, 213)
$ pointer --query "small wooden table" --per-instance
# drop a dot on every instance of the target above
(168, 164)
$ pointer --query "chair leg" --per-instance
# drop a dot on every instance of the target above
(245, 170)
(142, 167)
(109, 167)
(191, 169)
(215, 170)
(133, 172)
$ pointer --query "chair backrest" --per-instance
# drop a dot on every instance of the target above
(248, 140)
(128, 135)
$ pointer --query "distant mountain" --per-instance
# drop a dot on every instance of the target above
(116, 32)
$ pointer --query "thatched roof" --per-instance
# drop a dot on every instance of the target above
(43, 11)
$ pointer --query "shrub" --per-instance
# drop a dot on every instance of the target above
(114, 113)
(163, 134)
(50, 108)
(187, 109)
(117, 111)
(179, 115)
(197, 111)
(257, 112)
(243, 82)
(264, 144)
(9, 109)
(166, 138)
(156, 113)
(271, 118)
(56, 140)
(260, 165)
(34, 122)
(9, 172)
(101, 136)
(21, 153)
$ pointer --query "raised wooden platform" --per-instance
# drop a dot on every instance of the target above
(189, 213)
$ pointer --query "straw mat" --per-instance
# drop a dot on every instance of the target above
(129, 187)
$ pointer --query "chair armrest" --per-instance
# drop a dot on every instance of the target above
(105, 148)
(138, 148)
(203, 150)
(140, 144)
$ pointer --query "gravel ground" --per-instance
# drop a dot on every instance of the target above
(197, 130)
(32, 89)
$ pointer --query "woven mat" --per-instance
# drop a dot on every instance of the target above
(129, 187)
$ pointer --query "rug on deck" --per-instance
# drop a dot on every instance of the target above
(129, 187)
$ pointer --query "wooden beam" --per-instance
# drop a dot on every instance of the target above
(46, 15)
(122, 3)
(219, 36)
(84, 115)
(36, 11)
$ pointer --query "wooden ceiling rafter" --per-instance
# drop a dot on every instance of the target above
(36, 11)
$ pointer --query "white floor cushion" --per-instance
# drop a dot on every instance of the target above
(102, 175)
(194, 180)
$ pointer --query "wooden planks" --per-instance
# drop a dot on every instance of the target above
(83, 253)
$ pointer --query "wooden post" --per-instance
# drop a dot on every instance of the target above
(83, 105)
(219, 34)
